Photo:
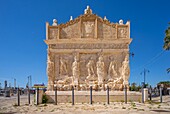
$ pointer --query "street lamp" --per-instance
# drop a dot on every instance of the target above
(144, 72)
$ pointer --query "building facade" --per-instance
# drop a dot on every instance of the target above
(88, 51)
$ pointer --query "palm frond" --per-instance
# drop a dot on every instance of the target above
(168, 70)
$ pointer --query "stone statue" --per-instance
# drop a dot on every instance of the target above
(76, 70)
(125, 70)
(88, 10)
(54, 22)
(112, 74)
(50, 73)
(100, 70)
(63, 67)
(90, 69)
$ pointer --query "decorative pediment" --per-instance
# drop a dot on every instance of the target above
(89, 26)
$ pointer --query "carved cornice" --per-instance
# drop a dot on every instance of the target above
(89, 46)
(86, 41)
(86, 17)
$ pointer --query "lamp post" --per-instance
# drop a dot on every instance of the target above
(144, 74)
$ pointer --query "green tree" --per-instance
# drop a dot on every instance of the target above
(133, 86)
(166, 83)
(167, 38)
(167, 42)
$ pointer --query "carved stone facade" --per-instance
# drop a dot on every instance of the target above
(88, 51)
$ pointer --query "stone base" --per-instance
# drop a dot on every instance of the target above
(98, 96)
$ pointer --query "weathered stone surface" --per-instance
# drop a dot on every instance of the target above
(88, 51)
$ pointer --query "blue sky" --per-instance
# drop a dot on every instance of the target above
(22, 31)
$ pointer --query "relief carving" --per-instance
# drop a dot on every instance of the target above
(76, 70)
(122, 32)
(53, 33)
(90, 46)
(100, 70)
(125, 70)
(50, 72)
(90, 68)
(63, 67)
(71, 31)
(88, 29)
(112, 74)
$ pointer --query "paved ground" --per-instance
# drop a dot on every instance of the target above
(8, 105)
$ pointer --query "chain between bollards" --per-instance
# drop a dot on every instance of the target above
(72, 95)
(90, 94)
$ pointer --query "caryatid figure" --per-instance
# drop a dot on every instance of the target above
(76, 70)
(100, 70)
(125, 70)
(50, 73)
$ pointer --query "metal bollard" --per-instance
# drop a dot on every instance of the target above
(142, 95)
(150, 93)
(72, 95)
(28, 96)
(56, 96)
(125, 94)
(107, 94)
(90, 94)
(37, 102)
(161, 94)
(18, 94)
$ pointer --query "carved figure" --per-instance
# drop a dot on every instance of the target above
(76, 70)
(88, 28)
(90, 69)
(63, 67)
(65, 84)
(112, 72)
(53, 34)
(116, 84)
(122, 32)
(50, 73)
(100, 70)
(125, 70)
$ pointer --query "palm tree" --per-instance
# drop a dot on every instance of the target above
(167, 42)
(167, 39)
(168, 70)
